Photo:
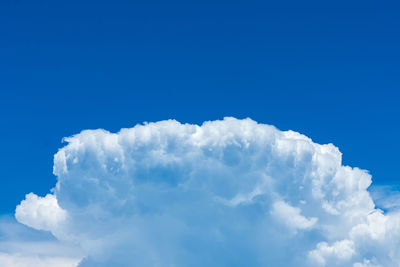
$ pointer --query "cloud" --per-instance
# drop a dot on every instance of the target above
(386, 197)
(338, 251)
(21, 246)
(226, 193)
(42, 213)
(291, 217)
(18, 260)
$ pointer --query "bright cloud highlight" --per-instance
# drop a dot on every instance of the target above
(41, 213)
(226, 193)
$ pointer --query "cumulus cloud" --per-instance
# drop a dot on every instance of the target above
(226, 193)
(42, 213)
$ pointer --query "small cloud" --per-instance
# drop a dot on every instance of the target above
(42, 213)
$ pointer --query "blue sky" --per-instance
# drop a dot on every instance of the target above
(330, 72)
(180, 194)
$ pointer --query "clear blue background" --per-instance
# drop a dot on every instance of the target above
(330, 71)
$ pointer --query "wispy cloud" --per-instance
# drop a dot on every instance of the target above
(386, 197)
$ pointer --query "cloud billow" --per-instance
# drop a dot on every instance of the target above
(226, 193)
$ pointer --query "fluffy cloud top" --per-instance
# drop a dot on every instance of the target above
(41, 213)
(227, 193)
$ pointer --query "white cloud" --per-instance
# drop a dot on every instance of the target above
(366, 263)
(227, 193)
(42, 213)
(291, 217)
(18, 260)
(338, 251)
(21, 246)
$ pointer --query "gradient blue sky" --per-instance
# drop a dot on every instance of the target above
(328, 71)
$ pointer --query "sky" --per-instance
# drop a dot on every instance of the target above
(326, 70)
